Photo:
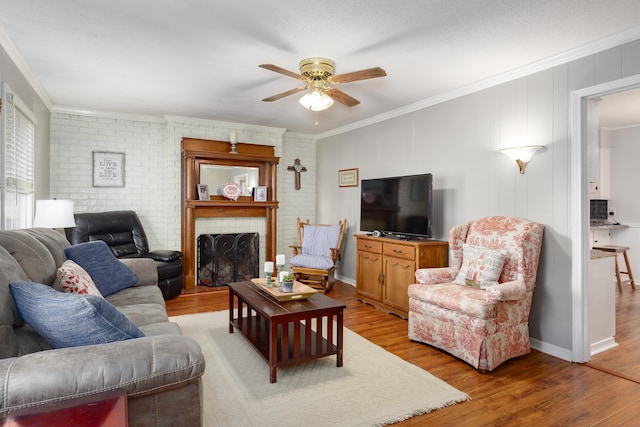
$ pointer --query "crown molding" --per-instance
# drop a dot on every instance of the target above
(620, 127)
(232, 125)
(300, 135)
(14, 55)
(544, 64)
(62, 109)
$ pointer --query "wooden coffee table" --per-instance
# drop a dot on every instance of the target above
(286, 332)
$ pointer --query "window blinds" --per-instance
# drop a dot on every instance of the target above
(18, 143)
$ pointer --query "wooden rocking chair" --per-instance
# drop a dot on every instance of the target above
(317, 253)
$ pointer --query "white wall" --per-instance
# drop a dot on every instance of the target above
(13, 76)
(152, 148)
(458, 140)
(625, 198)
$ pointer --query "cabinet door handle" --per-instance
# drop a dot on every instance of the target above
(398, 251)
(368, 246)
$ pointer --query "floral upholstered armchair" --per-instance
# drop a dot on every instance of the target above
(477, 309)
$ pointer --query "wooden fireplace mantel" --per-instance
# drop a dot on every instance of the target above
(197, 152)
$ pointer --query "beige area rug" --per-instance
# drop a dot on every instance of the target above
(373, 388)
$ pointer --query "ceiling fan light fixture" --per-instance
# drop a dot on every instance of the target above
(316, 100)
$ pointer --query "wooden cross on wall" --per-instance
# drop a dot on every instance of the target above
(297, 168)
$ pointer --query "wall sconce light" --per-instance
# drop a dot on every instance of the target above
(54, 213)
(521, 155)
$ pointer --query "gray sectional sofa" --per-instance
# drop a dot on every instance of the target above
(161, 372)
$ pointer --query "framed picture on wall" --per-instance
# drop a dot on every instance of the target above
(348, 177)
(203, 192)
(108, 169)
(260, 194)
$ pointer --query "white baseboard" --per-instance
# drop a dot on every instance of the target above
(346, 280)
(603, 345)
(550, 349)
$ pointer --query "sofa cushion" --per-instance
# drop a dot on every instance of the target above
(109, 274)
(481, 267)
(75, 280)
(34, 257)
(71, 320)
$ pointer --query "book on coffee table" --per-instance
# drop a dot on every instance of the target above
(300, 290)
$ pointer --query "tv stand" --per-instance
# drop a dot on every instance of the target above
(385, 267)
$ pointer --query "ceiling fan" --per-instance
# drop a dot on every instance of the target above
(317, 73)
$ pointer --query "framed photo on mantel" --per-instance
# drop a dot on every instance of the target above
(260, 194)
(108, 169)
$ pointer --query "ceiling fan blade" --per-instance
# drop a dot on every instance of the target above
(281, 70)
(369, 73)
(342, 97)
(283, 94)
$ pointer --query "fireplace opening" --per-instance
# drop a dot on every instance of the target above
(226, 258)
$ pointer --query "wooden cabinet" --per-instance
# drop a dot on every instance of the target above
(386, 267)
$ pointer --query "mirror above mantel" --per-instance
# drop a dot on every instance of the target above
(214, 175)
(212, 163)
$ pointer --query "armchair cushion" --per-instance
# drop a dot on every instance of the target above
(481, 267)
(427, 276)
(106, 271)
(71, 320)
(510, 291)
(320, 239)
(75, 280)
(311, 261)
(164, 255)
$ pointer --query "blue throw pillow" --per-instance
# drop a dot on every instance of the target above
(109, 274)
(71, 320)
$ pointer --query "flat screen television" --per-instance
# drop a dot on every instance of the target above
(400, 207)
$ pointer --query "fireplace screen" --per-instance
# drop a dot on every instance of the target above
(225, 258)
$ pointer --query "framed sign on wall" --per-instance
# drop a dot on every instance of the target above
(348, 177)
(108, 169)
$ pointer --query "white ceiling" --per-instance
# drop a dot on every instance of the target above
(200, 58)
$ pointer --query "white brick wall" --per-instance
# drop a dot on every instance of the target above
(294, 204)
(152, 148)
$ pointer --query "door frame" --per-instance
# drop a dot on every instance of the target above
(581, 346)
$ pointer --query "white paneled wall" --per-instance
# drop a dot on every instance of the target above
(458, 142)
(152, 148)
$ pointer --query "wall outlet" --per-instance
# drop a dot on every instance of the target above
(612, 211)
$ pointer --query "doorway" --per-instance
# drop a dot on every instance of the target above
(581, 347)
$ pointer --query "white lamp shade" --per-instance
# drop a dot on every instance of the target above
(521, 155)
(316, 101)
(54, 214)
(524, 154)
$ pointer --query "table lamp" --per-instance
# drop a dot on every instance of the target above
(57, 214)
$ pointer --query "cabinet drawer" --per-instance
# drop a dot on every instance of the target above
(370, 246)
(399, 251)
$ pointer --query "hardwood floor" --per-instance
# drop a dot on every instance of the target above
(622, 360)
(536, 389)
